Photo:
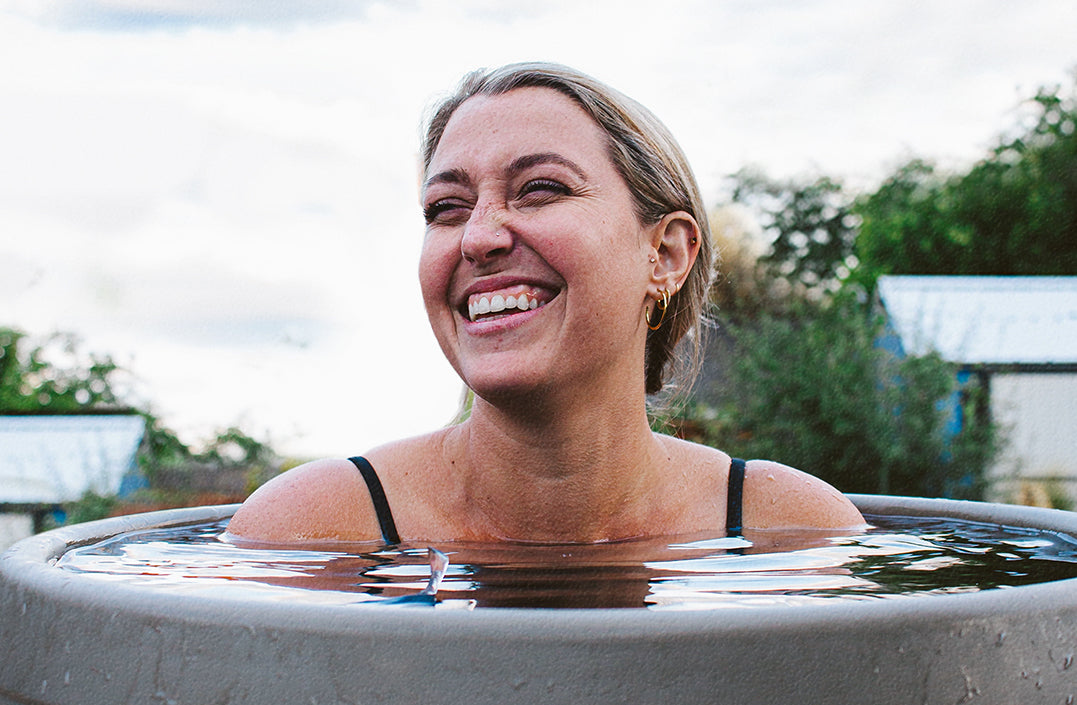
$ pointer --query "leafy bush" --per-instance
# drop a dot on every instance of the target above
(813, 389)
(90, 507)
(53, 376)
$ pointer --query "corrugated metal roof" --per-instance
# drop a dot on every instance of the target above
(985, 320)
(52, 459)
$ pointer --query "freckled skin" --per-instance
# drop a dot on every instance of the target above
(521, 194)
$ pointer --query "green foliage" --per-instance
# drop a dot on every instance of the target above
(90, 507)
(809, 223)
(53, 377)
(173, 467)
(903, 228)
(813, 389)
(161, 448)
(1013, 213)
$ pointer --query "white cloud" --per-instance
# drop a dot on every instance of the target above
(225, 193)
(142, 15)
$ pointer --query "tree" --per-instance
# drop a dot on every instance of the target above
(903, 227)
(809, 224)
(745, 287)
(1012, 213)
(53, 377)
(811, 387)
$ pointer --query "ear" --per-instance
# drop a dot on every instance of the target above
(674, 248)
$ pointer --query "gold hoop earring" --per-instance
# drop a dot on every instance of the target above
(661, 306)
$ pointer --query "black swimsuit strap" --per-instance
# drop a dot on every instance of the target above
(377, 496)
(734, 522)
(734, 499)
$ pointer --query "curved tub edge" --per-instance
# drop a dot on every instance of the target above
(1013, 645)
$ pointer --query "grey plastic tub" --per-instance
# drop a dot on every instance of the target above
(71, 639)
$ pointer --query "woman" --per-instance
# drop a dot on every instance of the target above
(566, 254)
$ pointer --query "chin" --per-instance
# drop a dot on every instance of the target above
(508, 391)
(503, 389)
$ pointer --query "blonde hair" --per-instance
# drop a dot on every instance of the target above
(652, 165)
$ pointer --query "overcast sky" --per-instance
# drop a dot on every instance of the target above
(222, 195)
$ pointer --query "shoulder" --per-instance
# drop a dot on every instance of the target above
(328, 500)
(777, 496)
(321, 500)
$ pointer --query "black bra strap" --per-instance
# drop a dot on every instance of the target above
(377, 496)
(735, 499)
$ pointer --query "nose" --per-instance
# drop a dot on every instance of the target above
(486, 236)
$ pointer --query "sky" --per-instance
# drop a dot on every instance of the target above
(222, 195)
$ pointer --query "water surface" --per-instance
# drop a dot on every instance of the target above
(898, 557)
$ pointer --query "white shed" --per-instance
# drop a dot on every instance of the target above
(48, 460)
(1020, 333)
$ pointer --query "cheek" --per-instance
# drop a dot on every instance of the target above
(435, 268)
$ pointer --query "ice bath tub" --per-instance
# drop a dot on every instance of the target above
(67, 638)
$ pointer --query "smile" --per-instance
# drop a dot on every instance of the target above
(504, 303)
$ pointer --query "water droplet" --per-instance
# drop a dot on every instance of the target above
(1001, 638)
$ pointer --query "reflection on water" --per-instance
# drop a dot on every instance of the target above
(898, 556)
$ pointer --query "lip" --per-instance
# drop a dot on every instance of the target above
(488, 326)
(495, 283)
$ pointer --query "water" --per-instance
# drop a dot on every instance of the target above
(897, 558)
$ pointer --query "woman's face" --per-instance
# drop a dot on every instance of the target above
(534, 268)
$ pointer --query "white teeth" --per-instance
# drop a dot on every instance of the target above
(476, 308)
(498, 303)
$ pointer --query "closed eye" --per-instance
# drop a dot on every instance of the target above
(538, 191)
(445, 211)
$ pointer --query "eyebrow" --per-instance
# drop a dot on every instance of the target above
(450, 176)
(459, 176)
(527, 161)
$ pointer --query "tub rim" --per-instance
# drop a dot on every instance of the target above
(27, 569)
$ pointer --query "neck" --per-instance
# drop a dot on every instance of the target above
(557, 472)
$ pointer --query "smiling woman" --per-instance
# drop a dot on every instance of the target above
(566, 255)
